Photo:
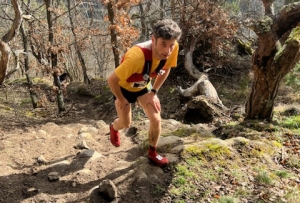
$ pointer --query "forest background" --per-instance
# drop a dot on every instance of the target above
(79, 32)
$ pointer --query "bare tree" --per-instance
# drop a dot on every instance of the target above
(77, 48)
(53, 54)
(32, 90)
(113, 33)
(122, 32)
(202, 22)
(143, 23)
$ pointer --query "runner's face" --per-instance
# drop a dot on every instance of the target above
(162, 48)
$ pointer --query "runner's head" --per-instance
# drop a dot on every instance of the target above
(166, 29)
(165, 34)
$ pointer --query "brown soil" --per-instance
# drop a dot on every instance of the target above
(34, 143)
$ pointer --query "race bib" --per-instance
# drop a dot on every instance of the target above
(140, 84)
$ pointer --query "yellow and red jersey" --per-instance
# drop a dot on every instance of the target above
(133, 62)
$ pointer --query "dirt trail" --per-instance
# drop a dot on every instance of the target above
(28, 156)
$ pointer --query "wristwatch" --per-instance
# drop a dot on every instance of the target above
(154, 91)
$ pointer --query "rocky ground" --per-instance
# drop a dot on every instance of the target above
(48, 156)
(56, 162)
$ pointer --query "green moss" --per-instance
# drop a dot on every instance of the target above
(276, 144)
(264, 25)
(282, 174)
(256, 149)
(232, 123)
(183, 182)
(291, 122)
(294, 36)
(179, 181)
(264, 178)
(184, 132)
(208, 151)
(29, 114)
(184, 171)
(157, 190)
(245, 46)
(294, 40)
(39, 81)
(217, 149)
(227, 199)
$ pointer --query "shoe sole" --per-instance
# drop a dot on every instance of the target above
(156, 164)
(115, 145)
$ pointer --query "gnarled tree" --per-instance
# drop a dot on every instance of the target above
(204, 24)
(277, 53)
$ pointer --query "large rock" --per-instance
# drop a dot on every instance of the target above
(201, 110)
(108, 188)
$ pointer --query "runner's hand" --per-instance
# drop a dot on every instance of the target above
(154, 101)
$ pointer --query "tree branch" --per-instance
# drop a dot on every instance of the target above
(288, 18)
(16, 23)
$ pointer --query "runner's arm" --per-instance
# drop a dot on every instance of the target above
(113, 83)
(160, 79)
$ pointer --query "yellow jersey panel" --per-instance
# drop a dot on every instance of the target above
(134, 61)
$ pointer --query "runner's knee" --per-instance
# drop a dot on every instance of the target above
(156, 120)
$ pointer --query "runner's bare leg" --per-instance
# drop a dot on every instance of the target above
(154, 118)
(124, 117)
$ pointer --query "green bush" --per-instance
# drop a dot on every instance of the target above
(292, 78)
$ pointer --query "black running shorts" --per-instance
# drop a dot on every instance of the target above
(132, 96)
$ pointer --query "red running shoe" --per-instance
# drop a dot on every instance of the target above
(114, 136)
(157, 159)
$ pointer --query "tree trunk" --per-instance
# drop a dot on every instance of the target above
(143, 24)
(33, 94)
(188, 59)
(77, 49)
(53, 57)
(201, 108)
(113, 34)
(173, 9)
(4, 47)
(277, 53)
(99, 69)
(5, 50)
(162, 10)
(16, 55)
(203, 86)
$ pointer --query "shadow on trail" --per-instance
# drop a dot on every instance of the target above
(138, 182)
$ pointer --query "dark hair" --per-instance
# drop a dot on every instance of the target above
(166, 29)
